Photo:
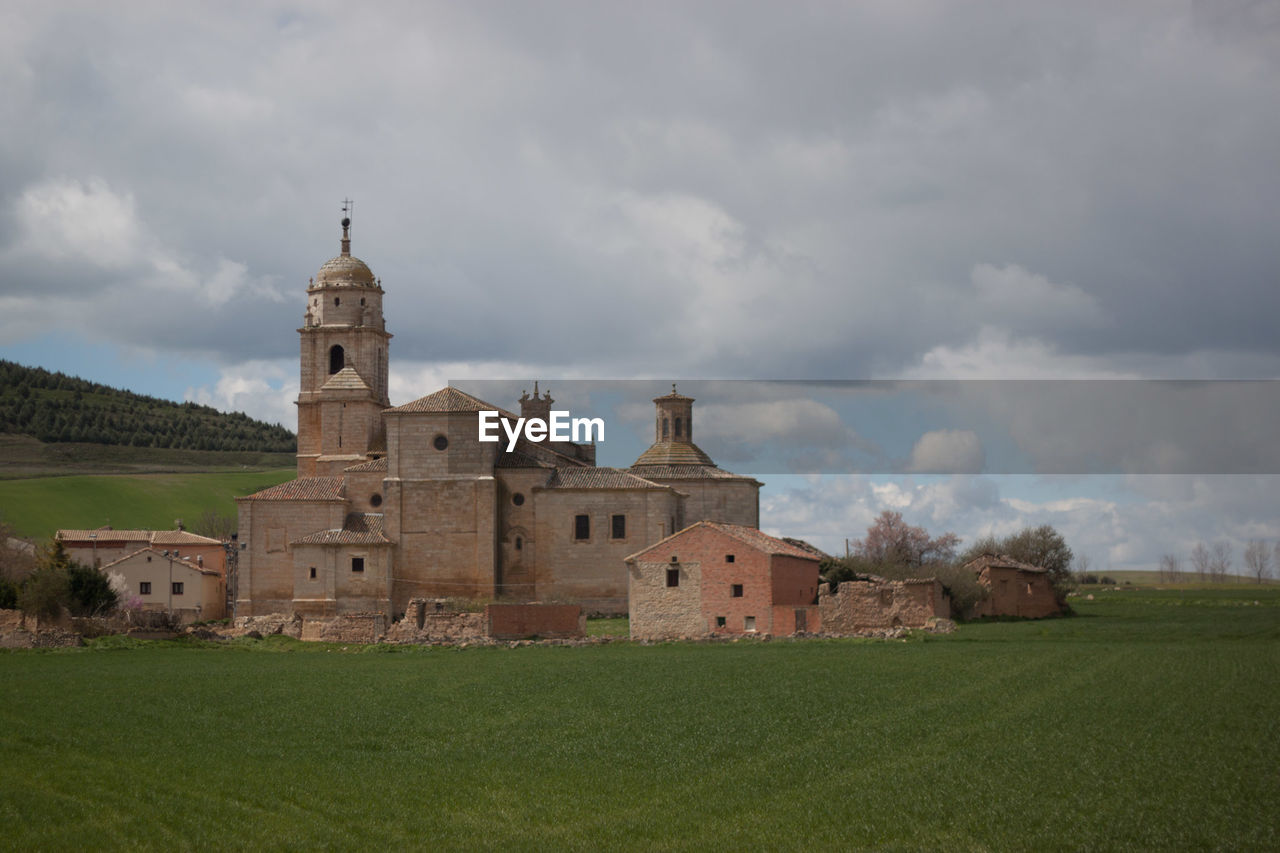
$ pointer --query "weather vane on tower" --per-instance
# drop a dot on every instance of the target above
(348, 207)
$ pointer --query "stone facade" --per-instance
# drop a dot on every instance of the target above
(1014, 588)
(715, 578)
(404, 503)
(870, 603)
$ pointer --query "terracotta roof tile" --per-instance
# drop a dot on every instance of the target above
(598, 478)
(371, 465)
(684, 472)
(104, 534)
(302, 489)
(1001, 561)
(153, 552)
(345, 379)
(519, 459)
(181, 537)
(359, 528)
(747, 535)
(450, 399)
(673, 453)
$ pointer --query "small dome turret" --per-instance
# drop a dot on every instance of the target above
(345, 270)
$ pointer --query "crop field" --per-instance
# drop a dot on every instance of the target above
(1150, 720)
(37, 507)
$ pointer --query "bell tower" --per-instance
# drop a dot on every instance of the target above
(343, 386)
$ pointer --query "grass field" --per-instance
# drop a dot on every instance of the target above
(37, 507)
(1151, 720)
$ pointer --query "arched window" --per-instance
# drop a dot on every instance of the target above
(337, 359)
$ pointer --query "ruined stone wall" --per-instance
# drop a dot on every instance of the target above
(862, 605)
(1015, 592)
(426, 621)
(526, 621)
(347, 628)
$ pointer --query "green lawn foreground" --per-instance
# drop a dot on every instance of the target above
(1152, 720)
(38, 507)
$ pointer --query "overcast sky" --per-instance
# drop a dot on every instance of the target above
(619, 190)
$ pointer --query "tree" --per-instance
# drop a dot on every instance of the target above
(1202, 561)
(1257, 558)
(60, 583)
(1082, 567)
(1170, 568)
(1221, 562)
(891, 541)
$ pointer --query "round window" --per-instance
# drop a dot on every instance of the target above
(440, 442)
(517, 499)
(375, 500)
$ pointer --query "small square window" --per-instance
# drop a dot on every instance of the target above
(618, 524)
(728, 558)
(357, 564)
(749, 623)
(144, 588)
(177, 587)
(581, 527)
(720, 621)
(737, 590)
(673, 577)
(313, 572)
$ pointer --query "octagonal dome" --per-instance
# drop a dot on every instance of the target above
(345, 270)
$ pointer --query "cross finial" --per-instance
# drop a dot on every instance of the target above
(348, 207)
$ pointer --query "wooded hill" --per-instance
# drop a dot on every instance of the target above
(54, 407)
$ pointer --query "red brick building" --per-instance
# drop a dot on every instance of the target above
(716, 578)
(1015, 588)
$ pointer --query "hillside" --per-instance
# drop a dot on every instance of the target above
(58, 409)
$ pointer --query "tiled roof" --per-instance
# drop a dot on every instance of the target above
(749, 536)
(450, 399)
(1001, 561)
(371, 465)
(345, 379)
(805, 546)
(673, 453)
(105, 534)
(153, 552)
(519, 459)
(598, 478)
(684, 472)
(180, 537)
(302, 489)
(359, 528)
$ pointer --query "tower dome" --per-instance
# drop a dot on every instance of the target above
(345, 270)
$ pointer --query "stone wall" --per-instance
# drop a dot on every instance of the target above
(526, 621)
(871, 603)
(1016, 592)
(347, 628)
(426, 621)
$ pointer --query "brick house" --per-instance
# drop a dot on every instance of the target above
(161, 580)
(717, 578)
(393, 504)
(1014, 588)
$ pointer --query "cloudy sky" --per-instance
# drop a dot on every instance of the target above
(896, 190)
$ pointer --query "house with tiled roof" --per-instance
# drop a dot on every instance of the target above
(714, 578)
(160, 579)
(102, 545)
(394, 503)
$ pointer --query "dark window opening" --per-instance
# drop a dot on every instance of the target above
(336, 302)
(678, 425)
(582, 527)
(728, 558)
(357, 564)
(144, 588)
(720, 621)
(177, 587)
(440, 442)
(337, 359)
(375, 500)
(517, 499)
(619, 523)
(673, 577)
(313, 572)
(519, 544)
(737, 590)
(362, 300)
(665, 428)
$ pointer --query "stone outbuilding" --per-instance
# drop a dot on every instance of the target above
(718, 578)
(161, 580)
(870, 602)
(1014, 588)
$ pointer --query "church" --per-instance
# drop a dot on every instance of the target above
(396, 503)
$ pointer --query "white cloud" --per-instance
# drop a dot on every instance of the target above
(65, 219)
(947, 451)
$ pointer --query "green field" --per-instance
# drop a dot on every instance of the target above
(39, 506)
(1151, 720)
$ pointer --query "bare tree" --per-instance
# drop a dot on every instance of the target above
(1221, 563)
(1202, 561)
(1170, 568)
(1082, 562)
(1257, 558)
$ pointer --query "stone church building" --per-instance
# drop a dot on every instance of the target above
(395, 503)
